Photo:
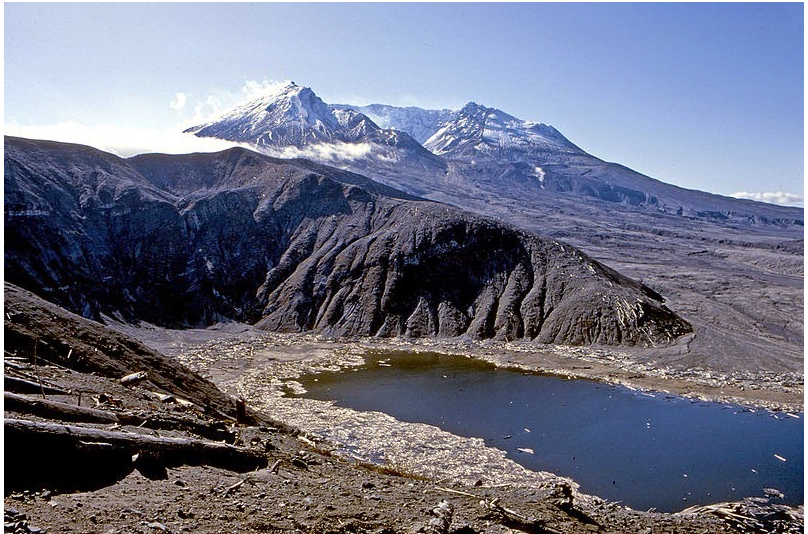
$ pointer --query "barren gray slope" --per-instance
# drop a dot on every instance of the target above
(734, 267)
(500, 155)
(269, 241)
(88, 347)
(741, 287)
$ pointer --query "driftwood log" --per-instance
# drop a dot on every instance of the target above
(62, 411)
(12, 383)
(173, 450)
(134, 378)
(515, 520)
(57, 455)
(56, 410)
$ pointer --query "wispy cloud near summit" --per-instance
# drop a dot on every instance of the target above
(190, 110)
(254, 89)
(773, 197)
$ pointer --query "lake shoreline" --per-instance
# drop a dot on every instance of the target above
(603, 436)
(633, 368)
(259, 366)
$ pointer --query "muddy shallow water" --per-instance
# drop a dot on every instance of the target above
(646, 450)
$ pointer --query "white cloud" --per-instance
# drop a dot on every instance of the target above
(206, 110)
(773, 197)
(180, 99)
(127, 142)
(254, 89)
(322, 152)
(121, 141)
(191, 111)
(195, 111)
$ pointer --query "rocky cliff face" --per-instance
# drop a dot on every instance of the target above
(293, 246)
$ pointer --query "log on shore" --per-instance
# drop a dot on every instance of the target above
(56, 410)
(215, 430)
(21, 385)
(62, 411)
(57, 455)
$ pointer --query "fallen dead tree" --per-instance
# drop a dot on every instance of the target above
(63, 411)
(58, 455)
(216, 430)
(515, 520)
(56, 410)
(754, 514)
(22, 385)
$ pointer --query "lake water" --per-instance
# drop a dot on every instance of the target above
(646, 451)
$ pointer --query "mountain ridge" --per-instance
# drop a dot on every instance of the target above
(238, 235)
(485, 152)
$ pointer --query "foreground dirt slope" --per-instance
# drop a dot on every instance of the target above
(285, 482)
(58, 336)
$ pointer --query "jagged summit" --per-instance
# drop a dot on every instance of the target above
(443, 130)
(293, 122)
(466, 156)
(292, 115)
(484, 129)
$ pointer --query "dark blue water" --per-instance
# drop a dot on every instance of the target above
(658, 452)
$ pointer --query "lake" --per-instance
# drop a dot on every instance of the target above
(645, 450)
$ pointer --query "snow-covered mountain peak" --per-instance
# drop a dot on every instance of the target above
(293, 103)
(290, 115)
(473, 127)
(420, 123)
(485, 113)
(293, 122)
(477, 129)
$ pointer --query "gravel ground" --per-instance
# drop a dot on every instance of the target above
(308, 485)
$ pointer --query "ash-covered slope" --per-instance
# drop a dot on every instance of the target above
(189, 240)
(34, 325)
(496, 153)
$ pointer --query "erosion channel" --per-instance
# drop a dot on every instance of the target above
(648, 450)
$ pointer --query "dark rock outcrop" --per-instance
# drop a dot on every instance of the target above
(292, 246)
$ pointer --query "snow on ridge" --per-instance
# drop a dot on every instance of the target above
(440, 130)
(419, 123)
(293, 115)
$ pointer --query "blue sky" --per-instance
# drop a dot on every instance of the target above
(706, 96)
